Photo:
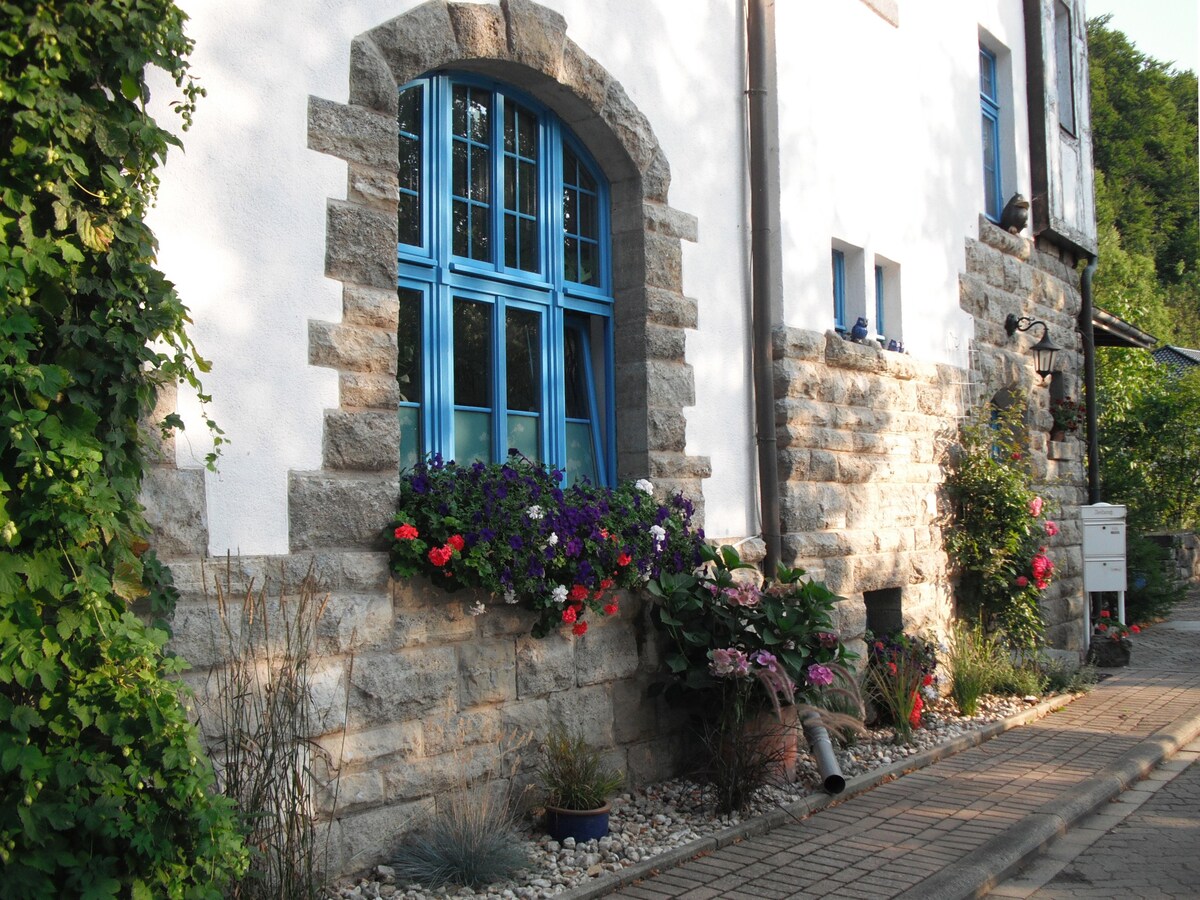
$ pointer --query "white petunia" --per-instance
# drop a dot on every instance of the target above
(534, 512)
(644, 485)
(658, 533)
(559, 594)
(552, 540)
(477, 609)
(510, 596)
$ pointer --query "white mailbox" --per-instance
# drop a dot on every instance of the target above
(1104, 551)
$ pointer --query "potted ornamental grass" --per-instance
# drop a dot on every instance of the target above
(576, 785)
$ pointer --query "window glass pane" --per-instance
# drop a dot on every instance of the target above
(589, 259)
(459, 110)
(479, 173)
(528, 189)
(527, 134)
(408, 173)
(459, 170)
(510, 127)
(839, 289)
(577, 399)
(581, 453)
(410, 436)
(522, 336)
(991, 203)
(511, 250)
(528, 231)
(879, 299)
(408, 340)
(481, 233)
(570, 259)
(987, 74)
(570, 211)
(523, 435)
(589, 220)
(478, 116)
(510, 182)
(472, 436)
(1062, 65)
(461, 227)
(472, 353)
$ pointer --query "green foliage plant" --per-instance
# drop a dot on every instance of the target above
(104, 790)
(1153, 589)
(572, 773)
(998, 532)
(974, 661)
(514, 530)
(742, 654)
(261, 714)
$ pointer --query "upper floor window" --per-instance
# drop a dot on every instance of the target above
(505, 334)
(989, 101)
(839, 290)
(1064, 76)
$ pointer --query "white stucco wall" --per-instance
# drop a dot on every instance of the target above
(880, 149)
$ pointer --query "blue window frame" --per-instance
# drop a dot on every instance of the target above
(990, 112)
(879, 320)
(505, 336)
(839, 290)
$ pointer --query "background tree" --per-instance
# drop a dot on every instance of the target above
(104, 790)
(1144, 126)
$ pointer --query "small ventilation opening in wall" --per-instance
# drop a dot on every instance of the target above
(884, 613)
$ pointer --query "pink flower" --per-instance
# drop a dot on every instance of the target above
(406, 532)
(1051, 528)
(1035, 507)
(1041, 567)
(743, 595)
(819, 674)
(1022, 581)
(730, 661)
(767, 660)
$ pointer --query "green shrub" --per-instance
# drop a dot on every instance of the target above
(1153, 591)
(104, 790)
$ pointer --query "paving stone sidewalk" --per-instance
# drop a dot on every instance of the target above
(957, 827)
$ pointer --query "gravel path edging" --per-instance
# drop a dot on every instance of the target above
(806, 806)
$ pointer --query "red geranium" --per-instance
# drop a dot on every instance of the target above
(577, 593)
(456, 541)
(624, 559)
(569, 615)
(580, 628)
(439, 556)
(611, 610)
(406, 532)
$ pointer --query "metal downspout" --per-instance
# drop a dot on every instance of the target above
(766, 268)
(1089, 381)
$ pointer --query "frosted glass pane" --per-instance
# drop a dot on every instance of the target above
(410, 436)
(581, 454)
(523, 435)
(472, 436)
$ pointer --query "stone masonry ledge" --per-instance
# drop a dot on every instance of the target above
(807, 806)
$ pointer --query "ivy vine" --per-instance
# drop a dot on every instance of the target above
(104, 787)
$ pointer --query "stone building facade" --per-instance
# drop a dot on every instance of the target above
(410, 690)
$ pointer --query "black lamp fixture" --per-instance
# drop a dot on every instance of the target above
(1043, 350)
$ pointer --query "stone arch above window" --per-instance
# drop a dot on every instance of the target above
(524, 45)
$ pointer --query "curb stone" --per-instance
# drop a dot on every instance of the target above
(813, 803)
(1001, 857)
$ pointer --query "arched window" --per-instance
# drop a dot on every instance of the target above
(504, 282)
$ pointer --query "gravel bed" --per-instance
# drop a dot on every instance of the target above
(662, 816)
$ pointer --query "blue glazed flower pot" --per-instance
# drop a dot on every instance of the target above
(581, 824)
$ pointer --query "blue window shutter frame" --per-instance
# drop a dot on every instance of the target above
(440, 275)
(839, 290)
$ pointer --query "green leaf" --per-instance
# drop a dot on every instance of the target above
(130, 88)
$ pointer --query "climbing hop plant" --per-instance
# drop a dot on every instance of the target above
(104, 790)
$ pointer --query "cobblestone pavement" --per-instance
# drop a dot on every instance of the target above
(963, 821)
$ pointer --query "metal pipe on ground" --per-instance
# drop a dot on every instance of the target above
(821, 748)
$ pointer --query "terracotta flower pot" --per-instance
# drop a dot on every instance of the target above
(581, 824)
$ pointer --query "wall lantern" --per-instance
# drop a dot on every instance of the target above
(1043, 350)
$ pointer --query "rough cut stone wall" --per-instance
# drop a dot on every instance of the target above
(412, 693)
(1014, 274)
(863, 433)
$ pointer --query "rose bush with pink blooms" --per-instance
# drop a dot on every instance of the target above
(999, 531)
